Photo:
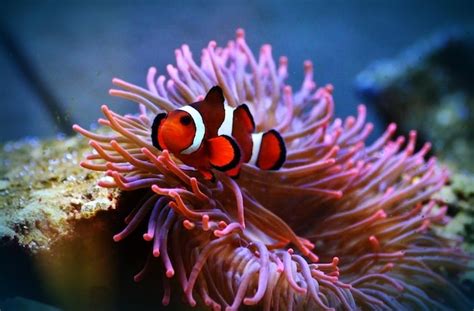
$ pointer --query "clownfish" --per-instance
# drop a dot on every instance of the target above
(210, 134)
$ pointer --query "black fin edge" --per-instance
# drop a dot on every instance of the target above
(154, 130)
(237, 156)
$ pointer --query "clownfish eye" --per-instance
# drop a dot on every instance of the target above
(185, 120)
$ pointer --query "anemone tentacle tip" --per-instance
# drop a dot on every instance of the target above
(117, 238)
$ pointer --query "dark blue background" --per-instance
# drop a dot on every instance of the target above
(76, 47)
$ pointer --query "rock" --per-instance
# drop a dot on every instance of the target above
(43, 189)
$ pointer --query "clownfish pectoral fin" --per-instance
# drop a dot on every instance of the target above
(224, 152)
(208, 175)
(155, 129)
(242, 115)
(215, 96)
(234, 173)
(272, 152)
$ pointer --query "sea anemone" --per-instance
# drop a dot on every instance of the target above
(341, 226)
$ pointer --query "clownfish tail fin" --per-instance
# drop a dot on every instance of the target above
(269, 150)
(155, 128)
(224, 153)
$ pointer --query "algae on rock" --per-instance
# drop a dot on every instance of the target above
(43, 188)
(459, 195)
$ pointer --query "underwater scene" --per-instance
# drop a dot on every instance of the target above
(237, 155)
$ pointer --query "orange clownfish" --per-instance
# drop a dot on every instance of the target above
(209, 134)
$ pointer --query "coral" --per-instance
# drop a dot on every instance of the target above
(341, 226)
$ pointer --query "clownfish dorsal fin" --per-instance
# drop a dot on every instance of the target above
(224, 152)
(212, 110)
(155, 129)
(215, 96)
(243, 115)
